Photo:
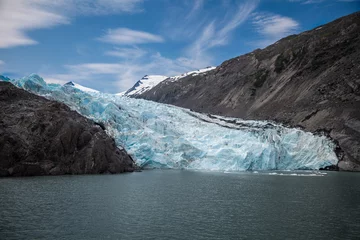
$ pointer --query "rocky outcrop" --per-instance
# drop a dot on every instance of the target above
(43, 137)
(310, 80)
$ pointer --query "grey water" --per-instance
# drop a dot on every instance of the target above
(175, 204)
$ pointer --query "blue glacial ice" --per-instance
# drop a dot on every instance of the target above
(163, 136)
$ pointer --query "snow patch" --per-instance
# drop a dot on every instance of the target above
(192, 73)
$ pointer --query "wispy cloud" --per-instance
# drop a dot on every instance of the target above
(126, 53)
(19, 17)
(123, 36)
(122, 74)
(215, 34)
(87, 74)
(2, 62)
(57, 78)
(98, 7)
(272, 27)
(242, 14)
(192, 15)
(307, 1)
(197, 4)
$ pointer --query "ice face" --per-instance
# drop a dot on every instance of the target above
(164, 136)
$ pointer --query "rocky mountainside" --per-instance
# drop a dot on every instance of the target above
(310, 80)
(43, 137)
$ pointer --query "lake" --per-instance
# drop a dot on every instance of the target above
(179, 204)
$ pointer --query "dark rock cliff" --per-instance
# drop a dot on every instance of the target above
(43, 137)
(311, 80)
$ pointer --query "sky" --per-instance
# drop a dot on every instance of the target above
(110, 44)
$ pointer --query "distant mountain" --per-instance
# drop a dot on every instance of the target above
(150, 81)
(80, 87)
(310, 80)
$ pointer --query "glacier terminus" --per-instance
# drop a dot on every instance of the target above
(163, 136)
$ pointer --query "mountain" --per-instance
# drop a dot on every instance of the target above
(80, 87)
(43, 137)
(149, 81)
(310, 80)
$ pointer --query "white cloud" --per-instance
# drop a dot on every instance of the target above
(126, 53)
(272, 27)
(53, 79)
(17, 17)
(124, 36)
(98, 7)
(2, 62)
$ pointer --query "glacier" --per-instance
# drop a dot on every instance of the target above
(163, 136)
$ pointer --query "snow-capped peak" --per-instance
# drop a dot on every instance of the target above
(82, 88)
(144, 84)
(150, 81)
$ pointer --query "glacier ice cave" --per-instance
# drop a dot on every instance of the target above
(162, 136)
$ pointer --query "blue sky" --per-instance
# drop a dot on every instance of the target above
(109, 44)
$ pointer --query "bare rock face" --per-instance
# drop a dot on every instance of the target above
(43, 137)
(310, 80)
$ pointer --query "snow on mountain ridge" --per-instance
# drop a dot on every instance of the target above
(150, 81)
(193, 73)
(144, 84)
(82, 88)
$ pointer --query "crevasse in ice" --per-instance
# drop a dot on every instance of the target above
(159, 135)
